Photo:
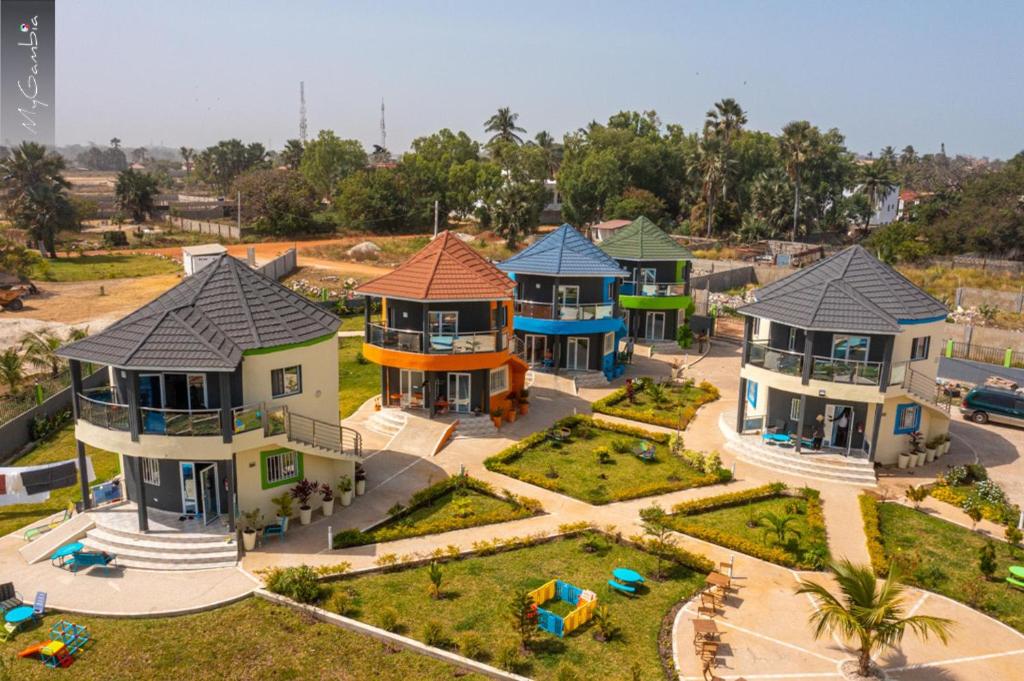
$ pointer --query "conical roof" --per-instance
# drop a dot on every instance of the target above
(849, 291)
(207, 322)
(445, 269)
(644, 240)
(563, 252)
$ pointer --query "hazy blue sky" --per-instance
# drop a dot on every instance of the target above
(193, 72)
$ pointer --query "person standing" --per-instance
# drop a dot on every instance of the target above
(629, 349)
(818, 433)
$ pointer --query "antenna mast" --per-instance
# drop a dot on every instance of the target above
(383, 130)
(302, 111)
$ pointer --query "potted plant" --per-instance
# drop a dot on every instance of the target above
(916, 450)
(327, 494)
(496, 416)
(511, 410)
(345, 489)
(904, 459)
(251, 525)
(930, 448)
(304, 491)
(524, 402)
(283, 503)
(360, 480)
(946, 442)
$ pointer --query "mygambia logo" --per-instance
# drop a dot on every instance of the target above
(25, 28)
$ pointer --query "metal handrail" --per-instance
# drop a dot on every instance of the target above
(323, 435)
(103, 413)
(399, 339)
(185, 422)
(839, 370)
(760, 354)
(576, 312)
(654, 288)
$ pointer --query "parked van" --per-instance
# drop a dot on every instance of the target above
(999, 405)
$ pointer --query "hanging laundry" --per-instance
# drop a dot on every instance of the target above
(52, 477)
(32, 484)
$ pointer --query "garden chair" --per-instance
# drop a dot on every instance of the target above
(33, 532)
(709, 651)
(39, 607)
(276, 530)
(9, 598)
(706, 611)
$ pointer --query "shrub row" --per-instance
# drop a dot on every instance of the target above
(610, 405)
(1002, 513)
(768, 491)
(521, 507)
(680, 556)
(876, 550)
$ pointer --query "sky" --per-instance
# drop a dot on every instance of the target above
(192, 72)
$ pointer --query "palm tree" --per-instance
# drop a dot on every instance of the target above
(725, 121)
(187, 154)
(864, 611)
(135, 192)
(876, 181)
(436, 576)
(12, 369)
(553, 151)
(711, 163)
(503, 125)
(888, 157)
(291, 155)
(41, 350)
(908, 156)
(115, 142)
(34, 193)
(777, 525)
(797, 144)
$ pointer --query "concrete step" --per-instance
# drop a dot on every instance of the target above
(159, 542)
(144, 554)
(475, 426)
(387, 421)
(185, 539)
(590, 379)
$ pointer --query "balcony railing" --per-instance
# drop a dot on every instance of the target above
(439, 344)
(846, 371)
(675, 288)
(246, 418)
(97, 406)
(581, 312)
(186, 422)
(779, 361)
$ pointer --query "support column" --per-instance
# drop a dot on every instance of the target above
(805, 376)
(367, 301)
(741, 406)
(554, 299)
(232, 501)
(748, 332)
(140, 491)
(874, 431)
(134, 413)
(800, 423)
(384, 386)
(83, 466)
(886, 373)
(227, 425)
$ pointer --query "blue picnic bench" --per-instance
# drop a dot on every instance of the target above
(624, 588)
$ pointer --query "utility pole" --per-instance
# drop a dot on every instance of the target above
(436, 221)
(238, 214)
(302, 111)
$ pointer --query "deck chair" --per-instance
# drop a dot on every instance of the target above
(9, 598)
(34, 532)
(39, 607)
(276, 530)
(84, 559)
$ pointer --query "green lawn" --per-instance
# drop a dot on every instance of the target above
(572, 468)
(358, 382)
(943, 557)
(251, 639)
(352, 322)
(673, 406)
(93, 267)
(477, 591)
(59, 447)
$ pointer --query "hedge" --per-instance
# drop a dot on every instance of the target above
(695, 506)
(609, 405)
(997, 513)
(876, 550)
(522, 507)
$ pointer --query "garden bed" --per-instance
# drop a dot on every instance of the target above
(968, 487)
(671, 406)
(473, 611)
(596, 462)
(771, 522)
(937, 555)
(455, 503)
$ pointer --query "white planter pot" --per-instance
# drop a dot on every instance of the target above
(360, 488)
(328, 507)
(945, 448)
(913, 460)
(346, 498)
(249, 540)
(305, 515)
(904, 460)
(929, 455)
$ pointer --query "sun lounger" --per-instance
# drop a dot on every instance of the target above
(1015, 582)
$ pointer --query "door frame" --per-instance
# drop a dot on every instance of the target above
(849, 429)
(216, 493)
(575, 340)
(407, 396)
(195, 475)
(649, 324)
(531, 359)
(453, 394)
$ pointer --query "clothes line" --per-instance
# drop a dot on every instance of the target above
(33, 484)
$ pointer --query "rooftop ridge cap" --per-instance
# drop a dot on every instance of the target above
(159, 318)
(202, 340)
(248, 315)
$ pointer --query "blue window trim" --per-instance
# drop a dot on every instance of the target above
(752, 393)
(900, 410)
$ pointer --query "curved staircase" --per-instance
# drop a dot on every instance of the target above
(163, 551)
(387, 421)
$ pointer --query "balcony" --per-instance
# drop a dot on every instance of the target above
(855, 372)
(186, 422)
(439, 344)
(655, 289)
(830, 369)
(98, 407)
(578, 312)
(780, 361)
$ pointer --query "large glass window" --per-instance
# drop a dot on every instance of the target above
(648, 275)
(286, 381)
(919, 347)
(568, 295)
(442, 323)
(499, 380)
(853, 348)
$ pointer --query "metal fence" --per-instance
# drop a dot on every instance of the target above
(12, 406)
(1005, 357)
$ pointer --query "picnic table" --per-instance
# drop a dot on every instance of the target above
(719, 580)
(628, 576)
(1017, 571)
(66, 551)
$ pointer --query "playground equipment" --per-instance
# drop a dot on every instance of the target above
(585, 602)
(66, 640)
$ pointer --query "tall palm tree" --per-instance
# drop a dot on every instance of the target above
(34, 192)
(503, 125)
(41, 350)
(552, 151)
(134, 192)
(797, 144)
(711, 164)
(725, 121)
(291, 155)
(115, 143)
(187, 155)
(876, 181)
(12, 369)
(908, 156)
(867, 612)
(888, 156)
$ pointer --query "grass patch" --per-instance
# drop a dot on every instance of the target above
(95, 267)
(58, 447)
(278, 643)
(455, 503)
(352, 322)
(660, 404)
(937, 555)
(739, 521)
(596, 463)
(476, 593)
(358, 380)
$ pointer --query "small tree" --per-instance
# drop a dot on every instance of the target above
(654, 520)
(777, 526)
(436, 576)
(987, 560)
(523, 615)
(607, 629)
(916, 494)
(12, 369)
(1013, 537)
(974, 513)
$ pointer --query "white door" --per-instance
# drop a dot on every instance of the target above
(578, 356)
(208, 488)
(458, 392)
(839, 425)
(535, 347)
(411, 385)
(655, 326)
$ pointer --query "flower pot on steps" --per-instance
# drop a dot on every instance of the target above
(328, 507)
(929, 454)
(249, 540)
(360, 487)
(305, 514)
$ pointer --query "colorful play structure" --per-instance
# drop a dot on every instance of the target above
(66, 641)
(585, 602)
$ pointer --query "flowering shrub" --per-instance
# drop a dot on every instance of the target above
(618, 404)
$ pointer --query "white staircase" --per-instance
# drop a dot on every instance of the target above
(387, 421)
(590, 379)
(163, 551)
(819, 466)
(475, 426)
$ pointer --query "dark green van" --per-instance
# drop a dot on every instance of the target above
(999, 405)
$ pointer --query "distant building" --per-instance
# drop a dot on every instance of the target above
(194, 258)
(910, 199)
(887, 207)
(607, 229)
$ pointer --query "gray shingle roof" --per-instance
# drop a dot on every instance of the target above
(565, 251)
(849, 291)
(644, 240)
(206, 322)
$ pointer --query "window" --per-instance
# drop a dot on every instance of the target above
(648, 275)
(755, 328)
(609, 342)
(151, 472)
(908, 419)
(442, 323)
(919, 347)
(854, 348)
(752, 393)
(794, 409)
(280, 467)
(285, 382)
(792, 340)
(568, 295)
(499, 380)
